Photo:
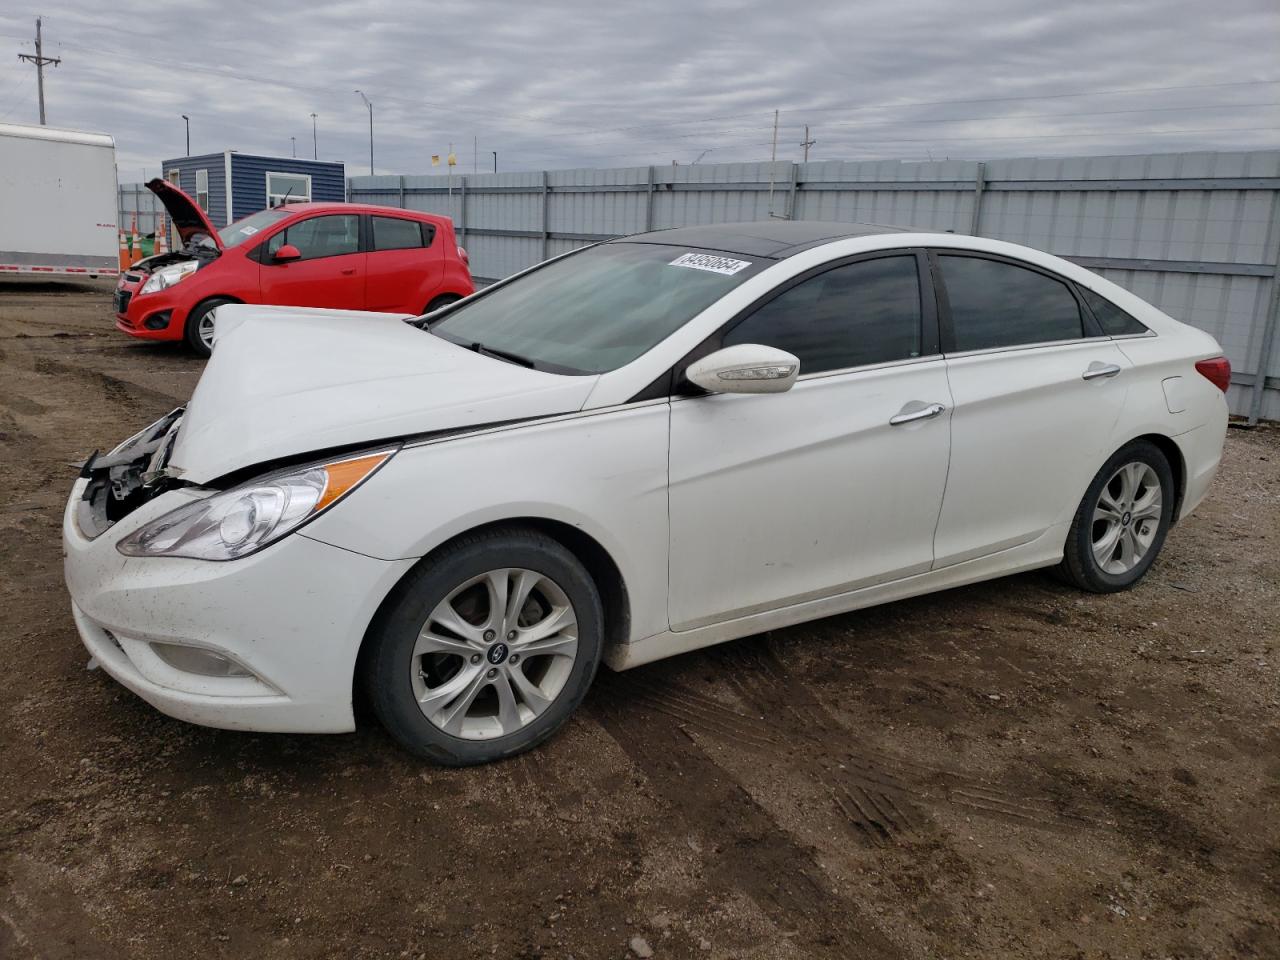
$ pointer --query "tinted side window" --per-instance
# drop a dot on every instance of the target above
(394, 233)
(995, 304)
(1114, 321)
(861, 313)
(329, 236)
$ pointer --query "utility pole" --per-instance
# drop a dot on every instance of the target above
(807, 143)
(475, 154)
(315, 151)
(369, 104)
(187, 121)
(293, 147)
(773, 160)
(40, 60)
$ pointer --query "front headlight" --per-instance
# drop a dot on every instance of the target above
(166, 277)
(247, 518)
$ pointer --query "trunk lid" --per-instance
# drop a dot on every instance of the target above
(188, 219)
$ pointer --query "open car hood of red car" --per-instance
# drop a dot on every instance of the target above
(188, 219)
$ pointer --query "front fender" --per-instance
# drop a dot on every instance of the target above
(602, 472)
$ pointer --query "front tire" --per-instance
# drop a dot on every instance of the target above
(1122, 521)
(484, 650)
(199, 328)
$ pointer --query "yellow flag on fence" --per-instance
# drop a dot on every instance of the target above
(435, 159)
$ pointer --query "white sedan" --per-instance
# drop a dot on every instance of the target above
(641, 448)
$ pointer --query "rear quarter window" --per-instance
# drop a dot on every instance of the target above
(1114, 321)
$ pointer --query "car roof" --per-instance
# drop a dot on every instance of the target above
(334, 207)
(774, 239)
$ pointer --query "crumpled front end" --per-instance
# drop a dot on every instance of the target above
(266, 642)
(129, 476)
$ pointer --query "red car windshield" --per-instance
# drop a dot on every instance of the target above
(244, 229)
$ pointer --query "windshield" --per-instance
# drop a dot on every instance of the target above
(597, 310)
(242, 230)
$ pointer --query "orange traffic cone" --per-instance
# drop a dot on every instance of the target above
(161, 244)
(125, 260)
(135, 243)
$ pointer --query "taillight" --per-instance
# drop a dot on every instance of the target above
(1217, 371)
(463, 254)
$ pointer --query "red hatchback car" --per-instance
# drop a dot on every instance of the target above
(343, 256)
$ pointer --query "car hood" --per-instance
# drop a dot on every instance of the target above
(188, 219)
(284, 382)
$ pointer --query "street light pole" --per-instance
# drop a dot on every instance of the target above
(187, 121)
(495, 160)
(368, 103)
(293, 147)
(315, 151)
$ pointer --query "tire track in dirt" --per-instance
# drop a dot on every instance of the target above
(126, 393)
(880, 797)
(749, 852)
(767, 686)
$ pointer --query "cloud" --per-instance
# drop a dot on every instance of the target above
(556, 85)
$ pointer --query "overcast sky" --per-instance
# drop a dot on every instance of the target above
(568, 84)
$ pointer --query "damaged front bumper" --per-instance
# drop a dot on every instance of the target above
(267, 642)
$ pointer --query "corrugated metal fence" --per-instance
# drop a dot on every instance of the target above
(1197, 234)
(135, 198)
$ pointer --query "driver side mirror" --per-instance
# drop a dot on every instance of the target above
(745, 368)
(286, 253)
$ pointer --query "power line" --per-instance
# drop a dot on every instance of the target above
(17, 100)
(873, 124)
(1048, 136)
(415, 102)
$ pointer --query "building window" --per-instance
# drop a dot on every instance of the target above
(288, 188)
(202, 190)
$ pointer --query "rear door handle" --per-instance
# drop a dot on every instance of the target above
(1098, 370)
(352, 270)
(926, 412)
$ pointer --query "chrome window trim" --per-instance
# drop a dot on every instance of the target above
(868, 367)
(1018, 348)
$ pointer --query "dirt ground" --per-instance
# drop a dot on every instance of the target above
(1014, 769)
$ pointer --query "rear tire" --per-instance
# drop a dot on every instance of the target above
(199, 328)
(441, 301)
(462, 672)
(1122, 521)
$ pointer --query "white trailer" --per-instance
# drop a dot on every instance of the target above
(57, 202)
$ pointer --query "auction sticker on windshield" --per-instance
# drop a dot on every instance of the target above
(704, 261)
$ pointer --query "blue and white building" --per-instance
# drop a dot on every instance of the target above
(231, 185)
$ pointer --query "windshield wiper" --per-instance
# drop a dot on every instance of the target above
(515, 358)
(475, 345)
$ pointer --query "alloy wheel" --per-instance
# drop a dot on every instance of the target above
(1126, 518)
(494, 653)
(205, 329)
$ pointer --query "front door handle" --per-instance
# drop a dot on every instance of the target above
(1098, 370)
(926, 412)
(351, 272)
